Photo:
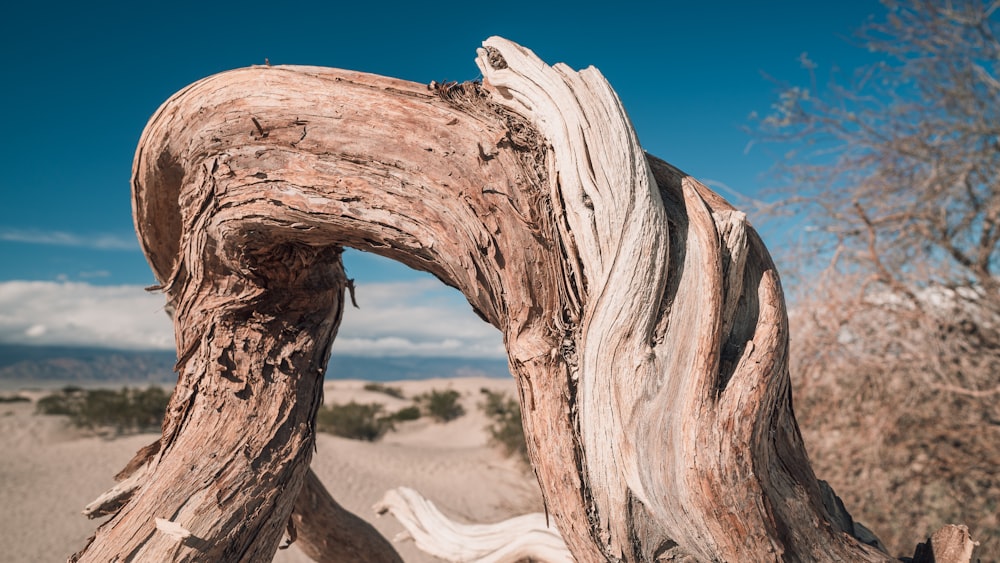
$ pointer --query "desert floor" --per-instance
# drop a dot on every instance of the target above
(49, 471)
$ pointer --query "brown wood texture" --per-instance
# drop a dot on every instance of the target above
(328, 533)
(643, 318)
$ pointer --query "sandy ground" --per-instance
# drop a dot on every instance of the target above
(50, 471)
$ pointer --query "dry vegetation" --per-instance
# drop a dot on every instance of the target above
(896, 416)
(106, 411)
(506, 428)
(356, 421)
(896, 343)
(385, 389)
(443, 406)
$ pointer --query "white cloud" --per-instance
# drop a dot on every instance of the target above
(419, 318)
(34, 331)
(61, 238)
(422, 318)
(81, 314)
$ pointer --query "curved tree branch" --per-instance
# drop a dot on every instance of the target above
(643, 318)
(523, 538)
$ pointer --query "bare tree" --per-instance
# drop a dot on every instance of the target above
(643, 318)
(893, 174)
(898, 168)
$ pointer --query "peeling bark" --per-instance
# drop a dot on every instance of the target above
(643, 318)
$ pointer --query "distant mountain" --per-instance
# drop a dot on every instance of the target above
(70, 365)
(388, 368)
(64, 365)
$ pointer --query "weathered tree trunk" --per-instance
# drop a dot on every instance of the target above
(643, 318)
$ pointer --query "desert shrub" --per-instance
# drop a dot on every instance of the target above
(354, 420)
(899, 413)
(506, 430)
(385, 389)
(61, 403)
(406, 413)
(125, 411)
(896, 348)
(442, 405)
(67, 401)
(14, 399)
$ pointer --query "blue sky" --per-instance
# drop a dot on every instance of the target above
(81, 80)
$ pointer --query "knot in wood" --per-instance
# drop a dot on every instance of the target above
(495, 59)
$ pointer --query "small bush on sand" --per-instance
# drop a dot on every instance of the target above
(406, 413)
(442, 405)
(354, 420)
(506, 430)
(385, 389)
(125, 411)
(14, 399)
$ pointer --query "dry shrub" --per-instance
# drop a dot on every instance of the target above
(355, 421)
(898, 405)
(506, 429)
(362, 421)
(889, 183)
(14, 399)
(389, 390)
(126, 411)
(443, 406)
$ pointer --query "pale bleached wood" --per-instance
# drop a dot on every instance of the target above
(643, 318)
(172, 530)
(617, 222)
(527, 537)
(114, 498)
(951, 544)
(683, 391)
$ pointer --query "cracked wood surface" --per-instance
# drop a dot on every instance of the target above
(643, 318)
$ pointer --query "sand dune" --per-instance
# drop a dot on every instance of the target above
(49, 471)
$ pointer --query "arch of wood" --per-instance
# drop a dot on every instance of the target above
(642, 315)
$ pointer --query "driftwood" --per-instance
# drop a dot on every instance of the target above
(643, 318)
(530, 537)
